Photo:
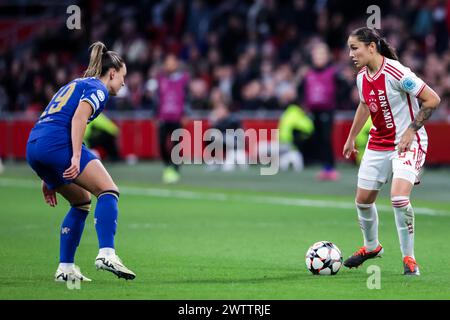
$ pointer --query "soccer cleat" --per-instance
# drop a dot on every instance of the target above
(112, 263)
(170, 175)
(74, 274)
(362, 255)
(410, 266)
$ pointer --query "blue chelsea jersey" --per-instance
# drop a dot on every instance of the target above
(57, 116)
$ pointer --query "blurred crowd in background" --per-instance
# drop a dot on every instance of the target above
(248, 54)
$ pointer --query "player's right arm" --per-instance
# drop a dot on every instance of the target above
(361, 116)
(79, 123)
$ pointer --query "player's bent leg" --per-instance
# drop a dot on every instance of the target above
(73, 193)
(71, 231)
(402, 185)
(97, 180)
(366, 195)
(106, 223)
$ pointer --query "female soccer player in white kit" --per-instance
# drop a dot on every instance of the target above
(390, 93)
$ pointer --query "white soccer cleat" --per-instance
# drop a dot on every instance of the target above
(70, 275)
(112, 263)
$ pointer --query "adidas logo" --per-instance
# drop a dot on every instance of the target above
(372, 93)
(408, 163)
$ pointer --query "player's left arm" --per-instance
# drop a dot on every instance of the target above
(429, 102)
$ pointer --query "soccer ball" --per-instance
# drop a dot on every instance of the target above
(323, 258)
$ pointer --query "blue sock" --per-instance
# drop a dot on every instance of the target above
(71, 231)
(106, 213)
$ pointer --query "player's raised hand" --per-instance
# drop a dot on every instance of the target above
(49, 195)
(349, 148)
(406, 140)
(74, 170)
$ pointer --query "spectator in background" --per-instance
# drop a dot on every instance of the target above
(320, 95)
(130, 45)
(227, 45)
(295, 129)
(172, 84)
(198, 90)
(101, 135)
(222, 119)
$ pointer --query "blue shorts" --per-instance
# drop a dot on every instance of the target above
(49, 157)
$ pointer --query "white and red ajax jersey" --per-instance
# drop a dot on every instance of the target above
(391, 95)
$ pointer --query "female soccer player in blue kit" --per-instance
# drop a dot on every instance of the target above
(56, 153)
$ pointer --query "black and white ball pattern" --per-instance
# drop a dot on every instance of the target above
(323, 258)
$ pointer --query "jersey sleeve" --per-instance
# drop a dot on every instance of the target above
(408, 81)
(359, 80)
(95, 96)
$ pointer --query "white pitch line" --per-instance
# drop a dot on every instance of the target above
(222, 197)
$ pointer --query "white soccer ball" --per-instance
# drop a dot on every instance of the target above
(323, 258)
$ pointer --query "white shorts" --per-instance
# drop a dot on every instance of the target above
(378, 166)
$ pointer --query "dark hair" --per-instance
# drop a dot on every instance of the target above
(102, 60)
(367, 35)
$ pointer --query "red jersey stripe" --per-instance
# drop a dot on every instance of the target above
(421, 89)
(393, 74)
(399, 75)
(383, 135)
(395, 69)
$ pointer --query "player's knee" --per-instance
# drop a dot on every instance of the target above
(365, 198)
(98, 190)
(399, 201)
(84, 206)
(113, 192)
(363, 206)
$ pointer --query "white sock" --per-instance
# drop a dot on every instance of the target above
(368, 221)
(404, 219)
(66, 267)
(107, 251)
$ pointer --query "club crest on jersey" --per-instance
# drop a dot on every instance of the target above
(373, 107)
(408, 84)
(100, 95)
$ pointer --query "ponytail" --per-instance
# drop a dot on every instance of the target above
(367, 35)
(95, 63)
(386, 50)
(101, 60)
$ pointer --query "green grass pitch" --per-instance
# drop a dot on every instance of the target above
(220, 235)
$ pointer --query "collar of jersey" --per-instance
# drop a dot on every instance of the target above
(376, 75)
(103, 85)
